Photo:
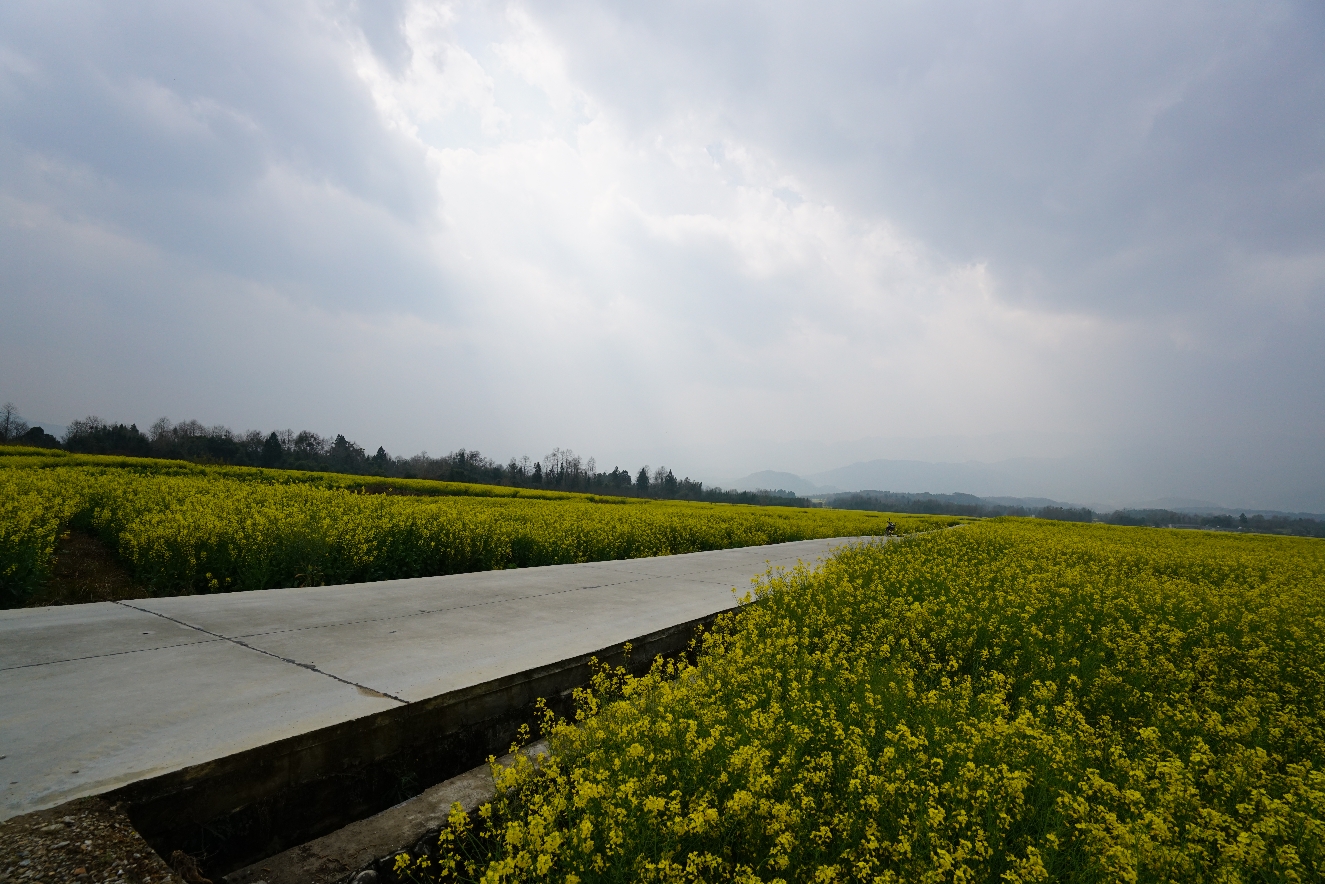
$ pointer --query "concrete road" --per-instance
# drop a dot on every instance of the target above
(93, 697)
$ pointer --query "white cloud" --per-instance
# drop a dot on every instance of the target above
(576, 229)
(701, 236)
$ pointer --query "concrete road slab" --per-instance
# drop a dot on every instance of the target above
(244, 614)
(418, 657)
(757, 558)
(96, 696)
(69, 730)
(35, 636)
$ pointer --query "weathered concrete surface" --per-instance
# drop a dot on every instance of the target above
(94, 697)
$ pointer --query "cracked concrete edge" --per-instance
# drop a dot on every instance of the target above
(363, 689)
(364, 844)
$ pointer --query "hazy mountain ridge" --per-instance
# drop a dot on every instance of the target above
(980, 484)
(772, 480)
(992, 480)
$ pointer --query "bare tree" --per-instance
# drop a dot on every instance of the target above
(189, 430)
(11, 424)
(84, 427)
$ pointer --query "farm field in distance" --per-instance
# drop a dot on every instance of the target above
(1013, 701)
(182, 528)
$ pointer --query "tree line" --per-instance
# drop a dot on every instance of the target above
(562, 470)
(1257, 523)
(970, 505)
(950, 505)
(15, 431)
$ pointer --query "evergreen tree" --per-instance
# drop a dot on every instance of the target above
(272, 452)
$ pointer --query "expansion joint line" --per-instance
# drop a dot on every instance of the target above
(309, 666)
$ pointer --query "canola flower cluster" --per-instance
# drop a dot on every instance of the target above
(1008, 701)
(186, 528)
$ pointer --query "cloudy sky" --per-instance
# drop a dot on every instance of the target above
(722, 236)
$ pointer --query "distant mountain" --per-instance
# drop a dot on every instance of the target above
(954, 505)
(995, 481)
(1004, 478)
(1029, 503)
(1179, 505)
(772, 480)
(1004, 483)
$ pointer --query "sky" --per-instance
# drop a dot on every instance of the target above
(723, 236)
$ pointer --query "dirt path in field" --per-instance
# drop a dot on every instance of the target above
(86, 570)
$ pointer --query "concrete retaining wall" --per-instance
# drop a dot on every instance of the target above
(239, 809)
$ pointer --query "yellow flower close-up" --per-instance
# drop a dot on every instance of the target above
(1010, 701)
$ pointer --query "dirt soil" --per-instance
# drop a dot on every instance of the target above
(85, 570)
(393, 491)
(83, 842)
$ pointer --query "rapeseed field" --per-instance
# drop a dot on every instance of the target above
(185, 528)
(1007, 701)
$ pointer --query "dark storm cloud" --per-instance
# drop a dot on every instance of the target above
(238, 134)
(1117, 157)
